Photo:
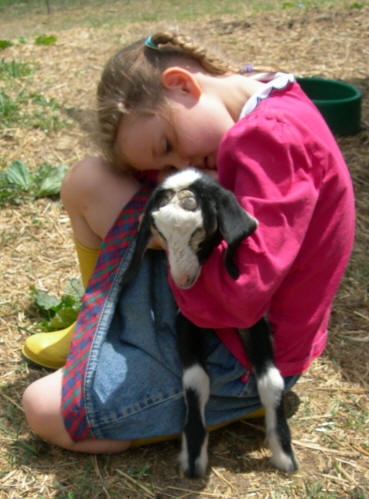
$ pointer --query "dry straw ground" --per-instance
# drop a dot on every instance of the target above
(329, 406)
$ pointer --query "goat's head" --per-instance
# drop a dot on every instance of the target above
(192, 213)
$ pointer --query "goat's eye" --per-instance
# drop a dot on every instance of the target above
(166, 198)
(187, 200)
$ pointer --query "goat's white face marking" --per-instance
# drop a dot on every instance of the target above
(177, 225)
(178, 219)
(182, 179)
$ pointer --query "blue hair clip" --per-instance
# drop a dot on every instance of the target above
(150, 43)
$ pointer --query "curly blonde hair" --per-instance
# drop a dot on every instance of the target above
(131, 79)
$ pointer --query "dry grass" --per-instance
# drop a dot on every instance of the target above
(329, 406)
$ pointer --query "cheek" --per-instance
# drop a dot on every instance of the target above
(200, 142)
(199, 133)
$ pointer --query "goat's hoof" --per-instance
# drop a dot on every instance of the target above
(284, 462)
(194, 469)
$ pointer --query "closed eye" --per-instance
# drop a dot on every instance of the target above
(168, 146)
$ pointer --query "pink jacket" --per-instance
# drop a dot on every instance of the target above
(285, 168)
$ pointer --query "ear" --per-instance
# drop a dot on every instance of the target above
(235, 224)
(176, 78)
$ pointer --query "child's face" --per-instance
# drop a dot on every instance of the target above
(186, 131)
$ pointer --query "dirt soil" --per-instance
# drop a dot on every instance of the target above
(328, 408)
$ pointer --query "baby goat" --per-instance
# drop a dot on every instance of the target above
(191, 213)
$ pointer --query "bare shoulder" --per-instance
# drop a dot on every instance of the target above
(95, 179)
(93, 193)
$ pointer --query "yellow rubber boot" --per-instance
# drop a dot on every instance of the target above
(51, 349)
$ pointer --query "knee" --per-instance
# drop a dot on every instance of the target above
(37, 410)
(42, 407)
(30, 405)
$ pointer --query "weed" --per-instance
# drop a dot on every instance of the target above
(58, 313)
(13, 69)
(140, 472)
(29, 450)
(30, 110)
(18, 183)
(5, 44)
(8, 108)
(45, 40)
(334, 407)
(356, 416)
(314, 489)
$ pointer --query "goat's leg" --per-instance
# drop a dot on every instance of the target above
(194, 453)
(258, 344)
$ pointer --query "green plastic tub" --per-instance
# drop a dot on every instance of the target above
(339, 103)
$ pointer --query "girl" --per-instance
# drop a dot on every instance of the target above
(165, 104)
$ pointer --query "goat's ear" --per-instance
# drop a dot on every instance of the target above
(142, 240)
(235, 224)
(143, 236)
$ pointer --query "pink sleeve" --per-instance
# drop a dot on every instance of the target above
(273, 178)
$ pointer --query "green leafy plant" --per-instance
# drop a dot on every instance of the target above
(5, 44)
(18, 174)
(58, 313)
(45, 40)
(48, 179)
(17, 182)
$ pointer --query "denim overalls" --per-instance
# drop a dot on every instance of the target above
(129, 385)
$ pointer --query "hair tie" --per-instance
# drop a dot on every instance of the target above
(150, 43)
(246, 68)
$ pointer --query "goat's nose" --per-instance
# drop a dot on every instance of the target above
(184, 282)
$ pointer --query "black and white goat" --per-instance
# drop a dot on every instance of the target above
(191, 213)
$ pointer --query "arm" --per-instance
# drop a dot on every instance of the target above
(272, 177)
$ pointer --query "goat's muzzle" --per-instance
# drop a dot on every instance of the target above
(180, 224)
